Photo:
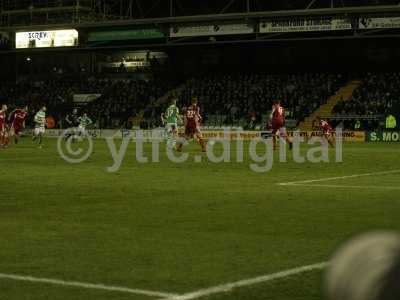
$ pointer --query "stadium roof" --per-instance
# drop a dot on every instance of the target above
(158, 8)
(24, 15)
(28, 12)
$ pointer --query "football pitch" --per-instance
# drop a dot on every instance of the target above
(184, 231)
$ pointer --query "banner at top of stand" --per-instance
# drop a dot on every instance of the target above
(210, 30)
(127, 34)
(43, 39)
(303, 24)
(376, 23)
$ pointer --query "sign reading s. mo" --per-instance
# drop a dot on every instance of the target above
(43, 39)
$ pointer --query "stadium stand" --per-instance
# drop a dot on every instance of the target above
(129, 103)
(377, 97)
(57, 94)
(243, 98)
(325, 110)
(226, 99)
(120, 98)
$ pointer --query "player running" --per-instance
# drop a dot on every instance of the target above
(327, 130)
(40, 126)
(84, 121)
(170, 118)
(278, 123)
(192, 120)
(72, 123)
(4, 139)
(72, 118)
(17, 119)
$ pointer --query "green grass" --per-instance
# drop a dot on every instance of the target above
(181, 227)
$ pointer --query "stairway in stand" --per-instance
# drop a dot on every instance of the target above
(325, 111)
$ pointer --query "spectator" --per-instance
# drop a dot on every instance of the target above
(237, 95)
(378, 95)
(391, 122)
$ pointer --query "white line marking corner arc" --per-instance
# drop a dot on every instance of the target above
(248, 282)
(301, 182)
(85, 285)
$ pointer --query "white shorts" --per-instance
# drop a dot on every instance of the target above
(281, 132)
(81, 129)
(171, 127)
(39, 130)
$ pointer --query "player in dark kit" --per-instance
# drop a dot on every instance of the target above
(327, 131)
(4, 140)
(192, 119)
(17, 119)
(278, 123)
(72, 122)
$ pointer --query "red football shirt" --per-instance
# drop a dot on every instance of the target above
(192, 116)
(325, 125)
(19, 118)
(2, 120)
(278, 116)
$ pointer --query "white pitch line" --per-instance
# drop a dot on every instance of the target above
(336, 186)
(339, 177)
(85, 285)
(247, 282)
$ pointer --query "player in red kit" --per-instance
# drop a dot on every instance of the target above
(278, 123)
(192, 119)
(327, 130)
(17, 119)
(4, 140)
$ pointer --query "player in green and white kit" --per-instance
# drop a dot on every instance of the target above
(170, 119)
(84, 121)
(40, 126)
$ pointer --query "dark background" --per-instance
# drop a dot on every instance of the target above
(326, 55)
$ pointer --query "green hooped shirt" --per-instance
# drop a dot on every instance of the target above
(171, 115)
